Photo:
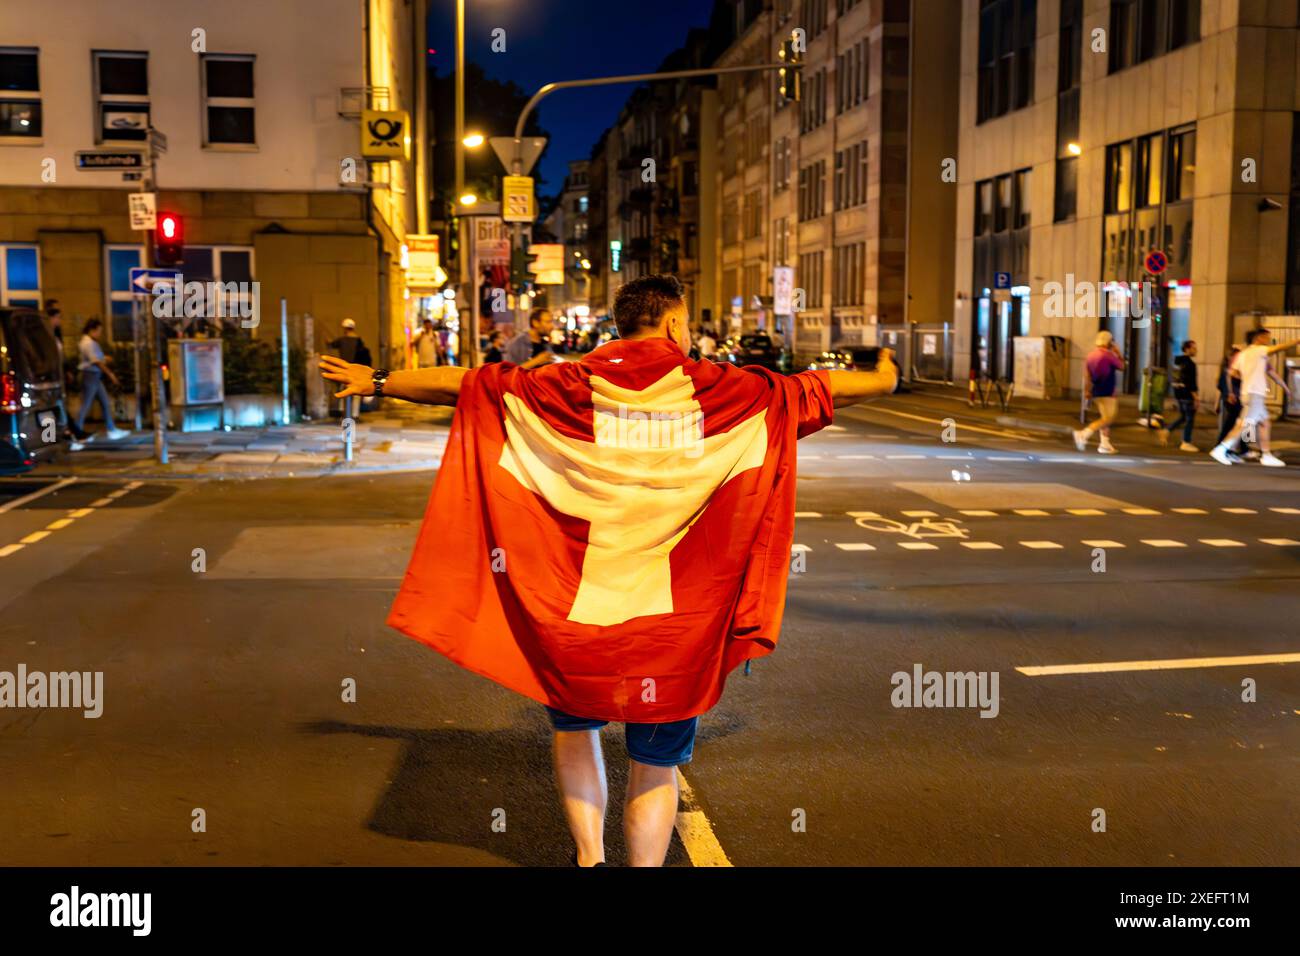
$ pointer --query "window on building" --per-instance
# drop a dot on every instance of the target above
(582, 200)
(1150, 170)
(729, 289)
(1181, 178)
(781, 241)
(1069, 60)
(812, 113)
(809, 278)
(812, 190)
(851, 77)
(1067, 189)
(1006, 56)
(730, 220)
(753, 284)
(781, 164)
(1119, 177)
(1143, 29)
(848, 279)
(121, 96)
(984, 207)
(1002, 204)
(813, 17)
(20, 93)
(228, 100)
(20, 276)
(1020, 218)
(851, 176)
(118, 263)
(753, 214)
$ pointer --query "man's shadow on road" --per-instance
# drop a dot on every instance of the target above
(450, 785)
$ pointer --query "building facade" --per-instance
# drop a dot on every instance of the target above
(261, 108)
(1132, 165)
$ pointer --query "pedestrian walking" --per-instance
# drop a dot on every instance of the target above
(1187, 395)
(496, 345)
(708, 345)
(533, 348)
(428, 353)
(351, 348)
(1252, 366)
(1229, 387)
(1102, 366)
(94, 368)
(607, 575)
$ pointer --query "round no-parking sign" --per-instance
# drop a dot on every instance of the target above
(1156, 262)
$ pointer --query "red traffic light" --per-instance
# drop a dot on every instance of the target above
(169, 239)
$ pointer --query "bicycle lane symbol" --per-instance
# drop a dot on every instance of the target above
(925, 528)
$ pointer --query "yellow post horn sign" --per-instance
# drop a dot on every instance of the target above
(385, 134)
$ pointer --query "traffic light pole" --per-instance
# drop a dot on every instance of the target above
(157, 390)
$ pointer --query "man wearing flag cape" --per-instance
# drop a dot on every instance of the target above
(611, 537)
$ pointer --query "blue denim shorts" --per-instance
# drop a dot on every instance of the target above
(659, 745)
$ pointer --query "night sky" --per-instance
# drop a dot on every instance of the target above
(550, 40)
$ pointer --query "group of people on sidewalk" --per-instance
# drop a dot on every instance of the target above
(1243, 386)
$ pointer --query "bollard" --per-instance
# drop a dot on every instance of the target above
(348, 431)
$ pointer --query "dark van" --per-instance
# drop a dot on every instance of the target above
(31, 390)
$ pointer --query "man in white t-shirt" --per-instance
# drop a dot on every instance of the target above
(707, 344)
(426, 345)
(1252, 366)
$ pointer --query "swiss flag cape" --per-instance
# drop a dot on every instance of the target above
(612, 536)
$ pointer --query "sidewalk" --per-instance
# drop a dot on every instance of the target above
(1060, 416)
(398, 437)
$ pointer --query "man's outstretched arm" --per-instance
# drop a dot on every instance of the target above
(426, 386)
(849, 388)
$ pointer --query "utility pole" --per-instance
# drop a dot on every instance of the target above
(157, 390)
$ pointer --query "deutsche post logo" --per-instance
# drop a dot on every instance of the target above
(384, 134)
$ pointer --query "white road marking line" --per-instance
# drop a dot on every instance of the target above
(918, 546)
(34, 537)
(863, 514)
(977, 513)
(836, 428)
(1179, 663)
(921, 514)
(938, 421)
(1189, 511)
(119, 493)
(1031, 512)
(1239, 511)
(81, 512)
(804, 454)
(19, 502)
(799, 547)
(1085, 512)
(1163, 543)
(56, 525)
(807, 514)
(132, 485)
(1007, 458)
(1286, 511)
(1281, 542)
(1065, 461)
(1041, 545)
(905, 457)
(855, 546)
(1140, 511)
(965, 457)
(9, 549)
(1103, 543)
(982, 545)
(101, 502)
(855, 457)
(695, 831)
(1222, 543)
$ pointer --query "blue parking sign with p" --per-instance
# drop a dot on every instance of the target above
(1002, 280)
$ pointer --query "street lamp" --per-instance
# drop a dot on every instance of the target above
(468, 199)
(473, 140)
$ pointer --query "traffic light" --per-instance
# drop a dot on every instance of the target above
(169, 240)
(519, 275)
(792, 73)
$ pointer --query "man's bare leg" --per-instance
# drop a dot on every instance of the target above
(580, 775)
(649, 813)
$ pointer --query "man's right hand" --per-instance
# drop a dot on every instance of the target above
(356, 379)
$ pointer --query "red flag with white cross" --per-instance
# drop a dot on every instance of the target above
(611, 537)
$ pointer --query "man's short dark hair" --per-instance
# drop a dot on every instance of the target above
(1188, 344)
(91, 325)
(1252, 335)
(641, 303)
(536, 314)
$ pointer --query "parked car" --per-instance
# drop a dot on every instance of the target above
(754, 348)
(851, 358)
(31, 390)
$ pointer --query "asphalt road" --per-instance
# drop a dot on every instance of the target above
(223, 686)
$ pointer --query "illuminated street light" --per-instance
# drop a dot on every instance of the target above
(468, 199)
(473, 140)
(1074, 149)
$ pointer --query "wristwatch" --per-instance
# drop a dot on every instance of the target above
(378, 379)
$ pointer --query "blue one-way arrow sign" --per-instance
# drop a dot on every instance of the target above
(144, 281)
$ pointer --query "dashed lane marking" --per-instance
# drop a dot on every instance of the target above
(921, 514)
(1222, 542)
(19, 502)
(1286, 511)
(807, 514)
(1163, 543)
(1189, 511)
(1140, 511)
(1104, 543)
(1179, 663)
(979, 513)
(1240, 511)
(1041, 545)
(918, 546)
(72, 515)
(1085, 512)
(800, 547)
(1032, 512)
(1281, 542)
(855, 546)
(982, 545)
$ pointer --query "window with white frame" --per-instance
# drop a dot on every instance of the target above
(20, 275)
(228, 110)
(121, 96)
(118, 263)
(20, 93)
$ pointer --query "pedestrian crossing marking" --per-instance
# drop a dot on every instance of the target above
(1109, 667)
(1163, 543)
(921, 514)
(976, 513)
(1241, 511)
(1085, 512)
(1140, 511)
(856, 546)
(1042, 545)
(918, 546)
(1222, 543)
(1032, 512)
(1189, 511)
(982, 545)
(1103, 543)
(1281, 542)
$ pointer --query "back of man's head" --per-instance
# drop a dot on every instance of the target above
(641, 304)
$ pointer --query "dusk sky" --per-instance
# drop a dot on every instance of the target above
(551, 40)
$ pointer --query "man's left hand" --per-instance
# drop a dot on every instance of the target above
(357, 379)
